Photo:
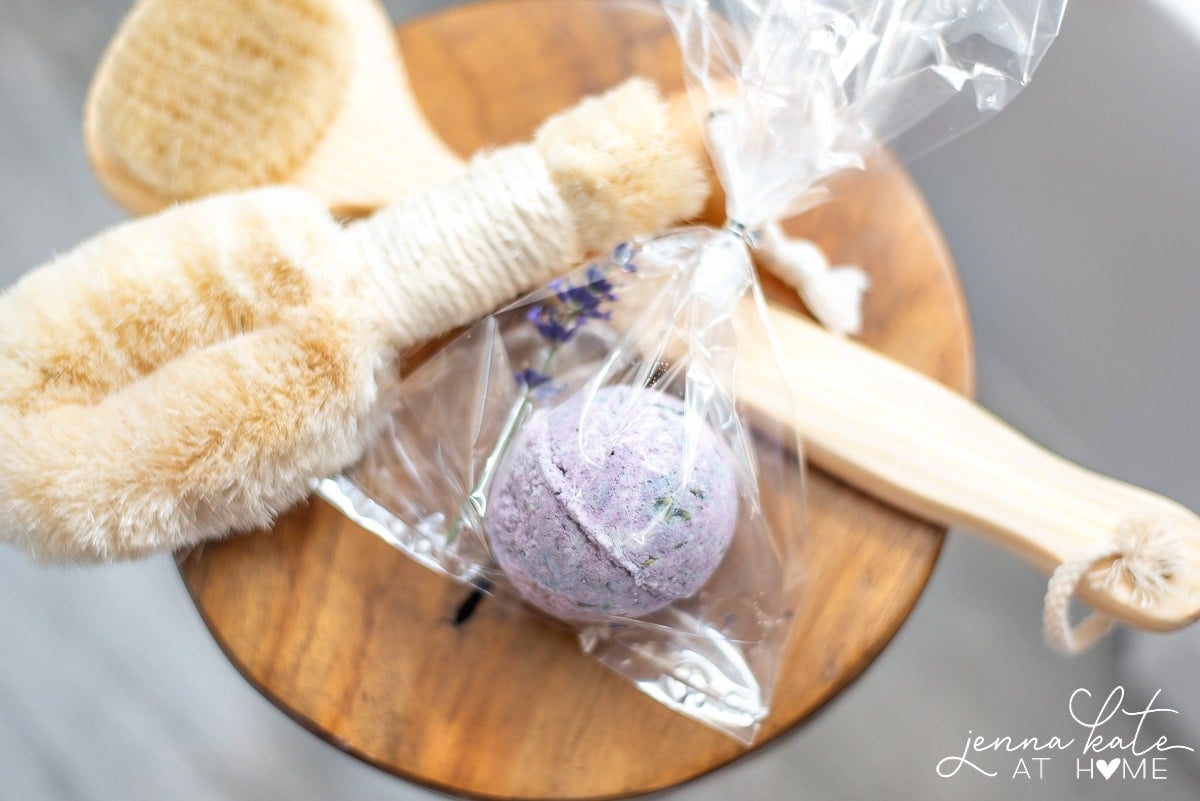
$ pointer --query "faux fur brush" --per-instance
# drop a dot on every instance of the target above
(190, 374)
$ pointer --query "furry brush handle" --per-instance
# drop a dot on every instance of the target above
(188, 375)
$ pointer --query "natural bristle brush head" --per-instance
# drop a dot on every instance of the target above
(225, 94)
(195, 98)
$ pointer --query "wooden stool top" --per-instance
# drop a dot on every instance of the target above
(357, 643)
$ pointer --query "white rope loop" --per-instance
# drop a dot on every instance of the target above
(1144, 554)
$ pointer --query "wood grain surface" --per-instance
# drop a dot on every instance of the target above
(358, 643)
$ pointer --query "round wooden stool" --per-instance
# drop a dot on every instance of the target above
(358, 643)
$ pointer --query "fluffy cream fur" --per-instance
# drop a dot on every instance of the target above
(189, 374)
(621, 166)
(178, 377)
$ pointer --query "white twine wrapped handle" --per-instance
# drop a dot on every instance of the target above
(609, 169)
(442, 258)
(1143, 554)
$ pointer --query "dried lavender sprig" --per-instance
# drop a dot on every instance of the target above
(556, 324)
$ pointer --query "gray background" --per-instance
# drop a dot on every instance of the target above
(1073, 220)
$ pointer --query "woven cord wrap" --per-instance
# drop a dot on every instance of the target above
(443, 258)
(1143, 553)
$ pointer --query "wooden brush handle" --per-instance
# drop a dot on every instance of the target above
(912, 442)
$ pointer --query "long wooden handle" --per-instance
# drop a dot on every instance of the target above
(928, 450)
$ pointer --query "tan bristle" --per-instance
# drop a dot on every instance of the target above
(208, 96)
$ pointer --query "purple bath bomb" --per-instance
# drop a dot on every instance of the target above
(592, 515)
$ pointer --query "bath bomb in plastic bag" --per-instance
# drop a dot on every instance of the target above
(593, 516)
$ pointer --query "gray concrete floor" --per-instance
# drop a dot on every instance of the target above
(1073, 220)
